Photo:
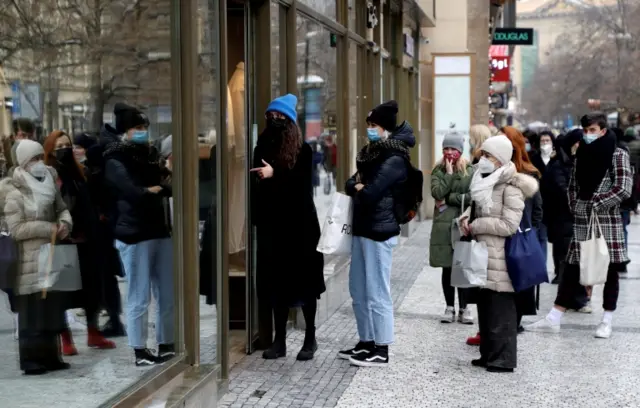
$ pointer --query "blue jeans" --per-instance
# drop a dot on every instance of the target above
(148, 266)
(626, 220)
(370, 289)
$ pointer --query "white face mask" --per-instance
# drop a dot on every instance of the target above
(486, 166)
(38, 170)
(546, 149)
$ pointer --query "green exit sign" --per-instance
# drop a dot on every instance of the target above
(513, 36)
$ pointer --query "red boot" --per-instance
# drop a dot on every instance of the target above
(68, 348)
(474, 341)
(95, 339)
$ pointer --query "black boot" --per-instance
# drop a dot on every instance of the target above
(277, 350)
(309, 346)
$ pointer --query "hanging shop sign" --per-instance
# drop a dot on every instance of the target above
(513, 36)
(500, 69)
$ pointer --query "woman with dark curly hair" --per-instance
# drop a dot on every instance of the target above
(289, 269)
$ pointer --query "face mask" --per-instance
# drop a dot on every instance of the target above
(546, 149)
(276, 123)
(590, 137)
(452, 156)
(373, 135)
(140, 136)
(486, 166)
(65, 155)
(527, 147)
(38, 170)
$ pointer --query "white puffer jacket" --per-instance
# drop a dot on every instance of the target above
(30, 224)
(501, 221)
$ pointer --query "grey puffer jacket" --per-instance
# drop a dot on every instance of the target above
(501, 221)
(30, 223)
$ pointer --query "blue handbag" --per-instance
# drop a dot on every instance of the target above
(526, 264)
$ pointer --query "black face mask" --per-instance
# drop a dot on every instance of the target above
(276, 123)
(65, 156)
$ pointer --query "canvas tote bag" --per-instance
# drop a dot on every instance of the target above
(336, 232)
(594, 255)
(470, 263)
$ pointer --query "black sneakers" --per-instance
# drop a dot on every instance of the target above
(378, 357)
(363, 347)
(146, 358)
(166, 351)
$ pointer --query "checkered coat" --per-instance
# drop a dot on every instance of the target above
(615, 188)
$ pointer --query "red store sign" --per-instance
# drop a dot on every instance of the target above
(500, 69)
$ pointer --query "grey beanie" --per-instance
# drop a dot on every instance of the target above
(453, 140)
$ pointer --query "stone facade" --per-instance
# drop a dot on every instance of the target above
(478, 42)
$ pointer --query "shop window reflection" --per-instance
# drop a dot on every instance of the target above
(95, 87)
(326, 7)
(317, 108)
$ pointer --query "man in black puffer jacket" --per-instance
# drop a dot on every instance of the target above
(382, 166)
(142, 230)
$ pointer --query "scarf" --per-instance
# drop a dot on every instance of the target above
(481, 189)
(592, 162)
(374, 150)
(43, 192)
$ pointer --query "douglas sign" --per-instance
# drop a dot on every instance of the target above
(513, 36)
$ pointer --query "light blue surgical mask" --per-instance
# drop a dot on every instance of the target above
(527, 146)
(589, 137)
(373, 135)
(140, 136)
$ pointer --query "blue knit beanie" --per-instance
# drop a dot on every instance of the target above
(286, 105)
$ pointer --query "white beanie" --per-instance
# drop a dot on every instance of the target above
(27, 150)
(500, 147)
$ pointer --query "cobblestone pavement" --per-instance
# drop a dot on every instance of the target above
(430, 361)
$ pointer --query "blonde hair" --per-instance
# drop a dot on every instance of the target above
(477, 135)
(460, 167)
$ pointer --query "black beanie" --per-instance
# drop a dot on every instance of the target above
(128, 117)
(85, 140)
(385, 115)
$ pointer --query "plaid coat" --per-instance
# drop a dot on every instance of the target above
(614, 188)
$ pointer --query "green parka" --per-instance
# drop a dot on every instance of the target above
(450, 188)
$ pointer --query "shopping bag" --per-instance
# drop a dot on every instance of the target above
(594, 255)
(58, 268)
(8, 261)
(526, 264)
(336, 232)
(469, 264)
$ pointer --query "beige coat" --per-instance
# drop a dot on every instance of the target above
(501, 221)
(30, 224)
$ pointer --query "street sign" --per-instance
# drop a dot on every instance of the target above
(513, 36)
(498, 101)
(500, 69)
(16, 110)
(26, 101)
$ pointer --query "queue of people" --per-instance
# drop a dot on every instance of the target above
(106, 194)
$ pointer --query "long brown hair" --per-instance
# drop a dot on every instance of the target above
(520, 157)
(291, 144)
(49, 146)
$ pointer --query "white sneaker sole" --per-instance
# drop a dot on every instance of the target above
(359, 363)
(348, 356)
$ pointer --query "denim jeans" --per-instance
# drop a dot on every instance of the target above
(148, 266)
(370, 289)
(626, 220)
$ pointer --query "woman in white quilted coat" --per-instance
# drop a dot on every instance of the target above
(498, 193)
(34, 211)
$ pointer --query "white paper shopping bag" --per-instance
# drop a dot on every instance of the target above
(336, 231)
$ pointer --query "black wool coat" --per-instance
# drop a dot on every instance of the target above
(289, 269)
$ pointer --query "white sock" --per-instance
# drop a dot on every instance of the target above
(607, 317)
(555, 316)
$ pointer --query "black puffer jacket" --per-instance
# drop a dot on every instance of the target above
(373, 211)
(140, 215)
(554, 187)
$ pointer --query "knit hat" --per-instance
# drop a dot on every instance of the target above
(453, 140)
(385, 115)
(27, 150)
(286, 105)
(128, 117)
(631, 133)
(500, 147)
(166, 147)
(85, 140)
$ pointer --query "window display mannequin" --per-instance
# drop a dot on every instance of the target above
(237, 163)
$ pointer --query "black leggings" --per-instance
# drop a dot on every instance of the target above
(450, 292)
(281, 316)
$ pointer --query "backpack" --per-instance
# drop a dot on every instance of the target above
(408, 195)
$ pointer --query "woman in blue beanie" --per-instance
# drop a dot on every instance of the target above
(289, 269)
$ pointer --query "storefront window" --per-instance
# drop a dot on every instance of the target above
(317, 108)
(326, 7)
(277, 43)
(109, 82)
(355, 133)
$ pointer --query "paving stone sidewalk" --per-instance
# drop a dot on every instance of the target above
(319, 383)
